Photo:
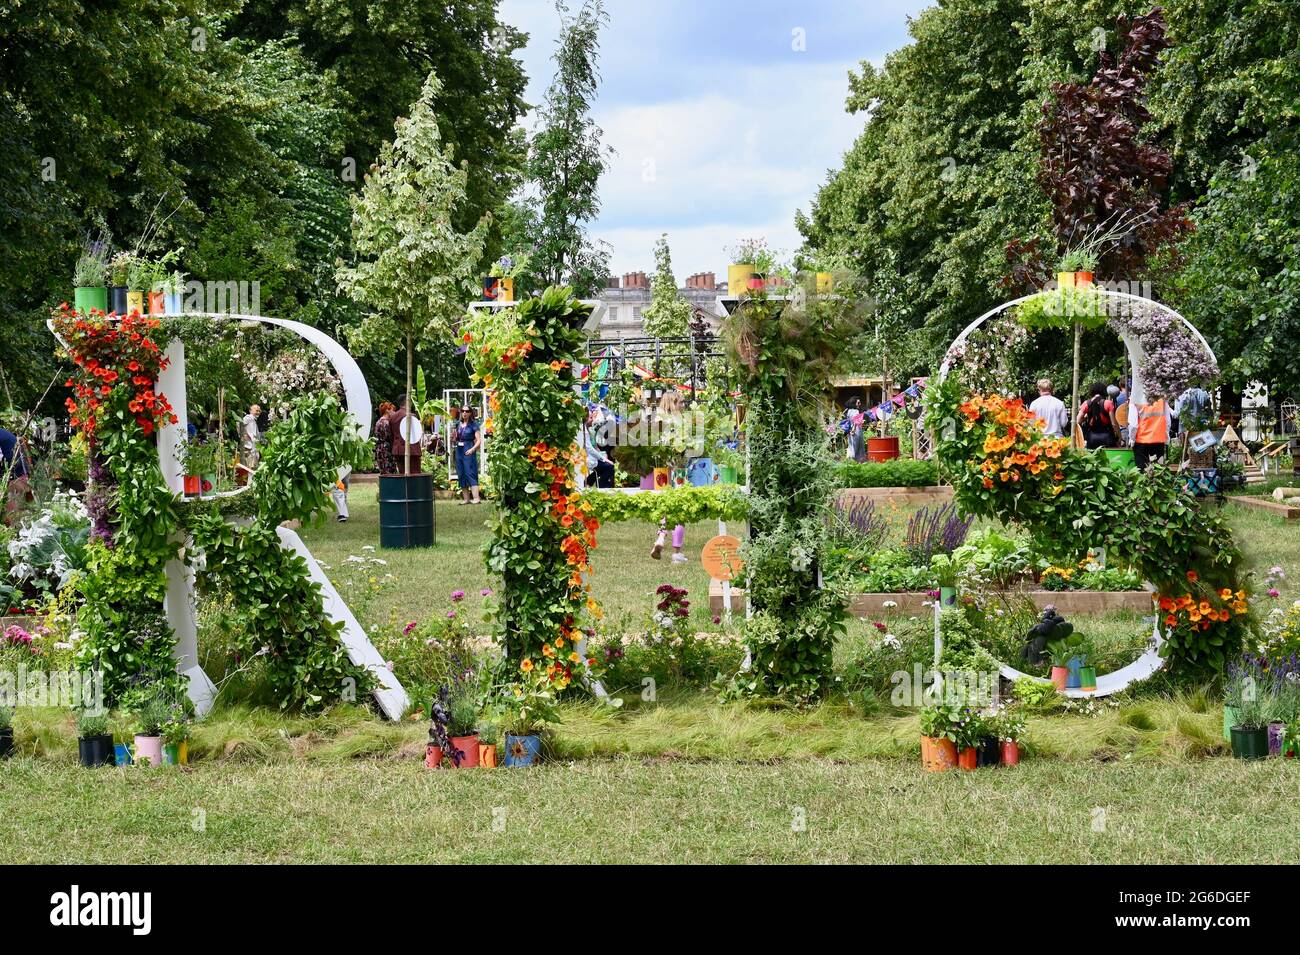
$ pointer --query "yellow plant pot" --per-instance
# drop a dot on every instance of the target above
(506, 290)
(738, 275)
(825, 282)
(135, 302)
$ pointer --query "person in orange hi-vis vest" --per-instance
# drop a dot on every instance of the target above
(1152, 432)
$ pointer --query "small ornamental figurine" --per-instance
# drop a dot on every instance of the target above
(1051, 627)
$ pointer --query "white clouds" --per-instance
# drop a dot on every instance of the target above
(716, 140)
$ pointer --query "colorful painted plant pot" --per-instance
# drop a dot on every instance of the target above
(1276, 738)
(150, 749)
(701, 472)
(662, 477)
(157, 303)
(487, 755)
(1074, 666)
(1229, 721)
(1060, 676)
(522, 750)
(1087, 678)
(135, 302)
(938, 755)
(825, 282)
(467, 746)
(92, 297)
(1010, 753)
(738, 276)
(969, 758)
(122, 754)
(727, 474)
(948, 596)
(173, 303)
(648, 481)
(432, 756)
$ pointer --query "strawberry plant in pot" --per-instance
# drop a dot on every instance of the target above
(94, 741)
(939, 737)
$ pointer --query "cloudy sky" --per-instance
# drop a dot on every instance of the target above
(726, 115)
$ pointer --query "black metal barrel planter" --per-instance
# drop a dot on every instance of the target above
(406, 510)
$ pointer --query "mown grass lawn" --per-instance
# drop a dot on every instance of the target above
(652, 811)
(684, 779)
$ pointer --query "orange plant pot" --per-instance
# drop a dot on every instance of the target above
(192, 485)
(1010, 753)
(1059, 677)
(157, 303)
(487, 755)
(432, 756)
(969, 758)
(468, 746)
(938, 755)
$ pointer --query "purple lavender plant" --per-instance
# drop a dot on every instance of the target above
(98, 505)
(938, 530)
(861, 520)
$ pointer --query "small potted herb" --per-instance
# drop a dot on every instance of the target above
(1062, 649)
(94, 741)
(119, 271)
(970, 730)
(529, 706)
(151, 715)
(1079, 265)
(1250, 731)
(173, 289)
(176, 741)
(89, 277)
(462, 726)
(938, 738)
(1010, 728)
(6, 730)
(139, 279)
(489, 734)
(947, 569)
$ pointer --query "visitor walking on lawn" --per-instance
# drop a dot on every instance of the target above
(469, 438)
(1097, 419)
(1152, 434)
(1050, 410)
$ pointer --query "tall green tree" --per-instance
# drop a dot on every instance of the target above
(379, 54)
(566, 157)
(414, 271)
(668, 315)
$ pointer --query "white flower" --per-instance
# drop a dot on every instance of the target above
(889, 604)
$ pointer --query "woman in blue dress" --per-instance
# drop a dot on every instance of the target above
(468, 438)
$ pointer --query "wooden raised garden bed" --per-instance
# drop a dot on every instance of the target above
(1285, 511)
(911, 496)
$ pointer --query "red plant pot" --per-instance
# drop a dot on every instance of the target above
(1059, 677)
(157, 303)
(192, 484)
(468, 746)
(968, 758)
(1010, 753)
(432, 756)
